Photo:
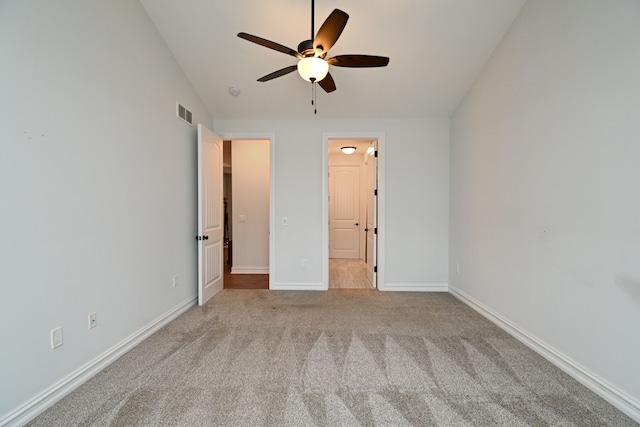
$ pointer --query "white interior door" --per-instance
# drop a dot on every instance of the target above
(210, 215)
(370, 256)
(344, 211)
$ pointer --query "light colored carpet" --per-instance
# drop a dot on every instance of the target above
(336, 358)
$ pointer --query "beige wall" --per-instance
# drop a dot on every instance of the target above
(544, 170)
(97, 188)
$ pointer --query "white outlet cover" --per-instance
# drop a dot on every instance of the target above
(56, 337)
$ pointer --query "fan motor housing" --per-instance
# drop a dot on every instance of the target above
(305, 48)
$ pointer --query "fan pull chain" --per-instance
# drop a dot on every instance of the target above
(313, 97)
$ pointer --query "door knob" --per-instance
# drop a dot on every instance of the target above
(357, 224)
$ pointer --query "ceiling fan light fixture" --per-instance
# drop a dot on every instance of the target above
(313, 69)
(348, 150)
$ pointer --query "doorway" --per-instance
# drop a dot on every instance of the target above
(352, 187)
(248, 212)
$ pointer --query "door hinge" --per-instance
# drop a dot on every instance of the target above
(375, 268)
(375, 230)
(375, 153)
(375, 192)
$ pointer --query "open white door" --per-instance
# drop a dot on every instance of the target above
(210, 215)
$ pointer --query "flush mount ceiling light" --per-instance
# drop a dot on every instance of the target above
(313, 64)
(234, 91)
(348, 150)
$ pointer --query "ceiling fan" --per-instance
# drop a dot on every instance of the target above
(311, 54)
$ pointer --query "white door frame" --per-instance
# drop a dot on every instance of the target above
(272, 193)
(326, 136)
(371, 200)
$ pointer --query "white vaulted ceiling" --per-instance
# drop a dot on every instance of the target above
(437, 48)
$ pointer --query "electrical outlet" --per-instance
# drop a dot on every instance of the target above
(56, 337)
(305, 263)
(93, 320)
(175, 281)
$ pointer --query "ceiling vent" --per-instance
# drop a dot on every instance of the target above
(184, 114)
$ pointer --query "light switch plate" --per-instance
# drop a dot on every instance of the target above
(93, 320)
(56, 337)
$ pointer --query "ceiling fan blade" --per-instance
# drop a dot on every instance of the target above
(358, 61)
(269, 44)
(278, 73)
(330, 30)
(327, 84)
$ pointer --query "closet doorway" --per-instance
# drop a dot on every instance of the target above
(247, 199)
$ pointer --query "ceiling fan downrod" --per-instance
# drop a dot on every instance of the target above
(313, 34)
(313, 12)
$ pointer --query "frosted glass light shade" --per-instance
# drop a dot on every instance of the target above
(348, 150)
(313, 68)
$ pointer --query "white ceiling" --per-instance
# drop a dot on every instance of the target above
(437, 48)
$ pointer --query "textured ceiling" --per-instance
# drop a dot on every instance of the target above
(437, 48)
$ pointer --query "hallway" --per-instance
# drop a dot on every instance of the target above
(345, 273)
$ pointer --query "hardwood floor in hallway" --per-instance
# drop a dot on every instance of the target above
(348, 274)
(343, 274)
(243, 281)
(246, 281)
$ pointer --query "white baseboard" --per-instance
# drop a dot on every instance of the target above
(298, 287)
(249, 270)
(625, 403)
(44, 400)
(415, 287)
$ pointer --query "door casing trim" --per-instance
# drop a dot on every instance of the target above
(380, 137)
